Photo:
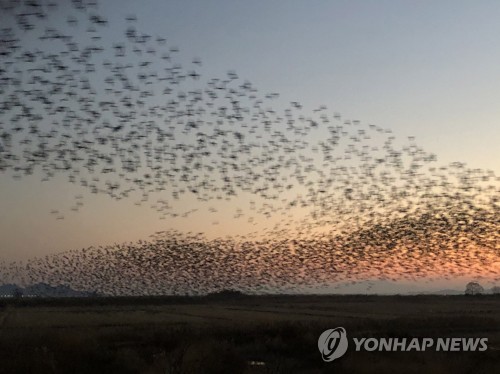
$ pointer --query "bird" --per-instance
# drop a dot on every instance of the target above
(125, 119)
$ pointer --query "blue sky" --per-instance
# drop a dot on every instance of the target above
(424, 68)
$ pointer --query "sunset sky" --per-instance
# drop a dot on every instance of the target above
(427, 69)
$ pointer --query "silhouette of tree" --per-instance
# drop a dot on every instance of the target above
(495, 290)
(17, 293)
(473, 288)
(226, 294)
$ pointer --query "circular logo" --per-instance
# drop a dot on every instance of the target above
(332, 344)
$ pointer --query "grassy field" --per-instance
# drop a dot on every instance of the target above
(258, 334)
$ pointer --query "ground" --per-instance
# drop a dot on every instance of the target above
(234, 333)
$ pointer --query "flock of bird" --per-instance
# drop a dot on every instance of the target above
(126, 119)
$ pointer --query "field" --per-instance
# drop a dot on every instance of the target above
(247, 334)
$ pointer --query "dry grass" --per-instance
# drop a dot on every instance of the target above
(234, 335)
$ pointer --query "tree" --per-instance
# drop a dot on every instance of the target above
(17, 293)
(495, 290)
(473, 288)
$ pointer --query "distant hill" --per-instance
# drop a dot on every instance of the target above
(43, 290)
(8, 289)
(226, 294)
